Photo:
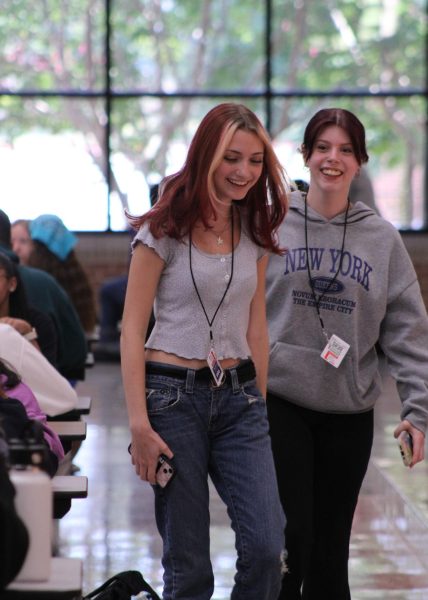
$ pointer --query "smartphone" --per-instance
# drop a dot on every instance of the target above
(405, 444)
(164, 471)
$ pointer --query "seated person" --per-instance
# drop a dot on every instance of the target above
(53, 251)
(34, 325)
(112, 300)
(12, 388)
(45, 293)
(54, 393)
(21, 239)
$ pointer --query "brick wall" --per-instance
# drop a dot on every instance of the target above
(103, 256)
(422, 271)
(417, 246)
(106, 255)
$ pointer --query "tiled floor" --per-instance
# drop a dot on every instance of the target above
(113, 529)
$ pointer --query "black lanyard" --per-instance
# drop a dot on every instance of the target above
(211, 321)
(318, 299)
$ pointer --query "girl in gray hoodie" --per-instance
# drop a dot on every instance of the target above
(345, 288)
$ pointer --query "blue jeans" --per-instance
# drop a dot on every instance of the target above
(221, 432)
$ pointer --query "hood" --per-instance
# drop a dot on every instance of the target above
(357, 212)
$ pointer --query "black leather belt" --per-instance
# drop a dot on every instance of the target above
(245, 371)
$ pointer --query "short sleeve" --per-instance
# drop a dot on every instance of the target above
(260, 252)
(162, 246)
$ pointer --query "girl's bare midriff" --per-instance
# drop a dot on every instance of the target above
(189, 363)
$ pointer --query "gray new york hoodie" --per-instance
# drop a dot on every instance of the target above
(375, 298)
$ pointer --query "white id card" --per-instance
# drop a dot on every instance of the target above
(335, 351)
(215, 367)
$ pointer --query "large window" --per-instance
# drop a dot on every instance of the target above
(99, 98)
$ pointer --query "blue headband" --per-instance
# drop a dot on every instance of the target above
(51, 231)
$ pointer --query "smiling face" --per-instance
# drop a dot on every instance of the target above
(240, 167)
(332, 163)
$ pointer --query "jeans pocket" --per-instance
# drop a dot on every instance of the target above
(251, 392)
(162, 398)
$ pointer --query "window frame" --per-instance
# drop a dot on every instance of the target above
(268, 94)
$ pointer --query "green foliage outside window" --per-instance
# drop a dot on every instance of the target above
(172, 60)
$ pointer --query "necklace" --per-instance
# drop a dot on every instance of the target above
(211, 321)
(218, 234)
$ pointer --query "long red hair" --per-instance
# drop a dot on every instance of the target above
(188, 195)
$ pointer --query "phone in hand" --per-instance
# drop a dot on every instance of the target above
(164, 471)
(405, 443)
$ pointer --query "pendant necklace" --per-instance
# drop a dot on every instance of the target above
(219, 239)
(212, 359)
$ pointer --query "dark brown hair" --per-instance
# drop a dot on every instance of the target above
(189, 194)
(343, 118)
(71, 275)
(18, 302)
(12, 379)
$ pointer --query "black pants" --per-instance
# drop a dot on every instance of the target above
(321, 460)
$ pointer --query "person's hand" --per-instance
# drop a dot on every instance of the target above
(20, 325)
(418, 439)
(145, 449)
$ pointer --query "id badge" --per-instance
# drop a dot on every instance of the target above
(335, 351)
(215, 367)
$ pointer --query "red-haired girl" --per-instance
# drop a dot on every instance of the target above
(195, 391)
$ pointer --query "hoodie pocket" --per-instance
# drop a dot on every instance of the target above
(302, 376)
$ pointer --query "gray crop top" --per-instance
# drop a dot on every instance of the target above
(181, 327)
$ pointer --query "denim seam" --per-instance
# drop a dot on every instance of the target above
(238, 532)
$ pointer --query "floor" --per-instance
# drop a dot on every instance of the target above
(113, 529)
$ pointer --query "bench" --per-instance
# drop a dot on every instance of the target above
(65, 583)
(69, 431)
(65, 488)
(83, 407)
(71, 434)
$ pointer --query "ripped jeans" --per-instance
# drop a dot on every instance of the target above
(222, 433)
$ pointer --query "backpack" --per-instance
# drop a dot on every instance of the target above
(123, 586)
(17, 426)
